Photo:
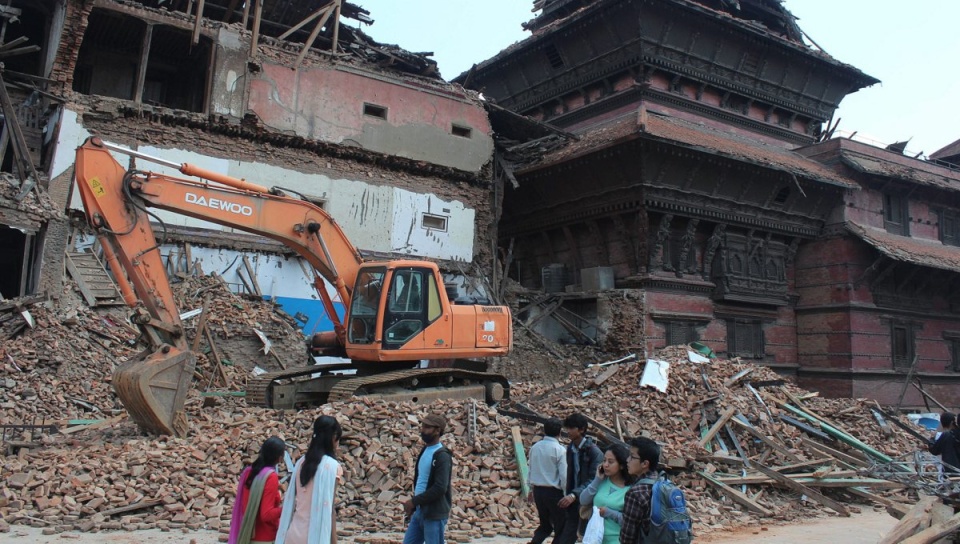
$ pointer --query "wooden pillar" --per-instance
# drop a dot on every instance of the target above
(255, 39)
(142, 67)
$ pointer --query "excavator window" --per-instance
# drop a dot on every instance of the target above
(406, 315)
(366, 305)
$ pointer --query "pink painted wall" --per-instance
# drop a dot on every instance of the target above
(327, 104)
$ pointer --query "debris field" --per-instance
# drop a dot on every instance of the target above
(748, 447)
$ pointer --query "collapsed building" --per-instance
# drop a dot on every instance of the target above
(706, 183)
(278, 92)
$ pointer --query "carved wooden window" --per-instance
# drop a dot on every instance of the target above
(745, 338)
(681, 332)
(953, 343)
(895, 217)
(902, 339)
(950, 227)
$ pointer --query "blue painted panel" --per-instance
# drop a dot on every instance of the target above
(317, 320)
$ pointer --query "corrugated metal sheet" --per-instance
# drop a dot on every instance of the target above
(918, 251)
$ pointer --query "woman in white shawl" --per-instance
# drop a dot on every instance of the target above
(308, 515)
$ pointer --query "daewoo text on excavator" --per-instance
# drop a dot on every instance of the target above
(398, 313)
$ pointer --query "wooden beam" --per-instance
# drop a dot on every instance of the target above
(94, 426)
(736, 496)
(312, 38)
(197, 25)
(255, 39)
(768, 441)
(201, 325)
(809, 492)
(737, 377)
(229, 12)
(304, 22)
(131, 507)
(929, 397)
(721, 421)
(336, 29)
(906, 527)
(840, 456)
(142, 67)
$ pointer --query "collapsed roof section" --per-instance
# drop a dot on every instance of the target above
(769, 15)
(313, 22)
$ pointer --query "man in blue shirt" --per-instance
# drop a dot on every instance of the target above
(429, 508)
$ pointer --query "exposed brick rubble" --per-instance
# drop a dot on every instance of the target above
(68, 481)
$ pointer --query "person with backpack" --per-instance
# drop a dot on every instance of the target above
(257, 508)
(583, 460)
(946, 445)
(429, 508)
(654, 510)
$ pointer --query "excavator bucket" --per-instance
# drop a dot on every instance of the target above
(153, 389)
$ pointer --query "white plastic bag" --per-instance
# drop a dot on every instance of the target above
(593, 534)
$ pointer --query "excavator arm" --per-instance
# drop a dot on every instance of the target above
(153, 387)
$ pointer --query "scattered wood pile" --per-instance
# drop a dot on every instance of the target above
(931, 520)
(748, 447)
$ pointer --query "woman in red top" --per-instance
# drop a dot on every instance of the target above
(258, 488)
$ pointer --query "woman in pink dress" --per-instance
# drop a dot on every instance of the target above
(308, 514)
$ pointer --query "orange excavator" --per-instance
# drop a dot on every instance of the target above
(398, 313)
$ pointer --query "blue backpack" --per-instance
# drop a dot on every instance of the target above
(669, 519)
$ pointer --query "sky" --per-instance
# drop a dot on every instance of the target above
(913, 48)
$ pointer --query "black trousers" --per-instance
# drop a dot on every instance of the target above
(571, 524)
(552, 517)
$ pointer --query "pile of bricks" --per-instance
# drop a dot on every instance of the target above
(109, 476)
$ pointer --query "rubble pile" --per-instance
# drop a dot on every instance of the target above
(108, 475)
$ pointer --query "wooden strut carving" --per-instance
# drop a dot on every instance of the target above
(687, 240)
(659, 257)
(714, 243)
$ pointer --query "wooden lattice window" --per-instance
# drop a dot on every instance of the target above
(745, 338)
(902, 344)
(681, 332)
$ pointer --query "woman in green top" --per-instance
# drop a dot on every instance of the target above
(607, 490)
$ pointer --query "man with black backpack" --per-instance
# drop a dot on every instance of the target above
(654, 510)
(427, 511)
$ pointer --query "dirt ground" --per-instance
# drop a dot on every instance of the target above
(865, 528)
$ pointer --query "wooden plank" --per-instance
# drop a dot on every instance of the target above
(906, 527)
(941, 515)
(312, 38)
(81, 284)
(876, 498)
(201, 325)
(737, 377)
(255, 40)
(606, 375)
(735, 495)
(132, 507)
(724, 418)
(875, 483)
(94, 426)
(804, 464)
(521, 457)
(772, 443)
(809, 492)
(216, 358)
(929, 397)
(142, 66)
(836, 454)
(253, 277)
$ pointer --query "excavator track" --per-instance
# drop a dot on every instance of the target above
(438, 382)
(282, 389)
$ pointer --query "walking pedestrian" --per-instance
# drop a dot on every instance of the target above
(257, 507)
(308, 514)
(583, 460)
(429, 508)
(548, 476)
(642, 464)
